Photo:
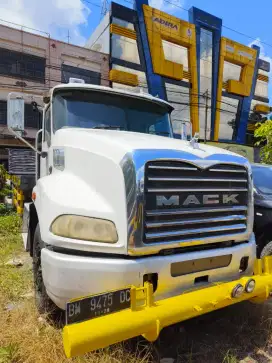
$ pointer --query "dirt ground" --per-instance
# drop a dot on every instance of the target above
(241, 333)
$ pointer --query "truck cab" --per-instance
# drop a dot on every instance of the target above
(119, 202)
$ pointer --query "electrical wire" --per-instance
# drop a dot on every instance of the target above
(176, 92)
(54, 67)
(172, 91)
(223, 26)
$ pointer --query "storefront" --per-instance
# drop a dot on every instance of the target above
(213, 82)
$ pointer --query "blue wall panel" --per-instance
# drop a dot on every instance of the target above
(154, 81)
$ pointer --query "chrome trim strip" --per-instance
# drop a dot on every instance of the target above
(195, 221)
(198, 180)
(154, 190)
(170, 167)
(228, 171)
(195, 231)
(193, 211)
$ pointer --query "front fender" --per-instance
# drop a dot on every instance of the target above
(65, 193)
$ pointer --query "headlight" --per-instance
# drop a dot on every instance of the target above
(85, 228)
(250, 286)
(237, 291)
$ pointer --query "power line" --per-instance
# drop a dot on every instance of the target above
(172, 91)
(223, 26)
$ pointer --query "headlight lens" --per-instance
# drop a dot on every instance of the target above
(85, 228)
(237, 291)
(250, 286)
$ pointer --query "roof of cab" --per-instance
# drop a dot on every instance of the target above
(141, 95)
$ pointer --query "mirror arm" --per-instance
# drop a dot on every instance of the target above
(24, 141)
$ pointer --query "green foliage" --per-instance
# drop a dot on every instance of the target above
(2, 169)
(10, 224)
(263, 133)
(4, 192)
(6, 210)
(8, 353)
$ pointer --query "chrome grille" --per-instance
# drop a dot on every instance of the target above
(185, 203)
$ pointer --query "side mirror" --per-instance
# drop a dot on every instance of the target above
(16, 117)
(16, 112)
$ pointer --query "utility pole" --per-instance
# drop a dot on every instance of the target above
(68, 37)
(206, 95)
(104, 9)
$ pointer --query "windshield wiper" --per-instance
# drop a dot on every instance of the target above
(109, 127)
(160, 133)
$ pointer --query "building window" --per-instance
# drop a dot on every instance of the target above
(123, 23)
(32, 119)
(231, 71)
(75, 72)
(206, 54)
(228, 114)
(125, 48)
(176, 53)
(3, 112)
(179, 97)
(261, 89)
(22, 65)
(141, 78)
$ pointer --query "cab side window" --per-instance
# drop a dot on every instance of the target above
(47, 125)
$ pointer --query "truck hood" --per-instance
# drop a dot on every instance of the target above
(115, 144)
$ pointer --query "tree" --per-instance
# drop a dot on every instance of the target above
(263, 133)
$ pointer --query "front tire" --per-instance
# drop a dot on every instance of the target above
(267, 250)
(44, 304)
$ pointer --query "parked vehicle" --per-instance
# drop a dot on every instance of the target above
(131, 230)
(262, 179)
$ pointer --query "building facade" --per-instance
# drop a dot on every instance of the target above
(32, 64)
(214, 83)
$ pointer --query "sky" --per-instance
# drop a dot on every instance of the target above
(80, 18)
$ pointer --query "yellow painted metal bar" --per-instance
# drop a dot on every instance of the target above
(263, 78)
(20, 210)
(126, 78)
(20, 196)
(187, 75)
(149, 318)
(265, 109)
(18, 200)
(125, 32)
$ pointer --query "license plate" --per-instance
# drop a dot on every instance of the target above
(97, 305)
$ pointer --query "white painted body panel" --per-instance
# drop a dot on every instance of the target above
(92, 183)
(67, 276)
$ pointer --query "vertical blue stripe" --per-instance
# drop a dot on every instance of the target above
(154, 81)
(201, 19)
(246, 103)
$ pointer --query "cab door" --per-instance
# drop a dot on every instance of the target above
(46, 142)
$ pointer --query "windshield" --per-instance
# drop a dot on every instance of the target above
(262, 178)
(88, 109)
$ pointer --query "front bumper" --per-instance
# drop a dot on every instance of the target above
(67, 277)
(149, 318)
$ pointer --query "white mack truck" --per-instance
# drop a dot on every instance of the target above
(131, 230)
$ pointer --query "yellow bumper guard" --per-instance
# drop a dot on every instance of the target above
(149, 319)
